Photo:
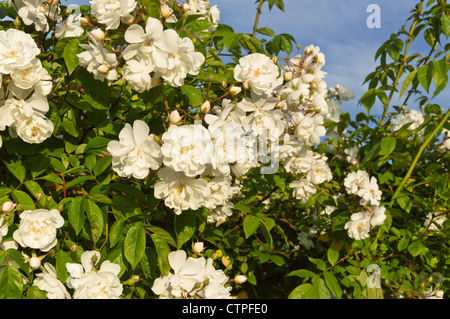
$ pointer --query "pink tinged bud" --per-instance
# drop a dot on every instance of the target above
(198, 247)
(98, 34)
(166, 11)
(288, 76)
(439, 294)
(240, 279)
(34, 262)
(206, 107)
(127, 18)
(8, 206)
(103, 68)
(174, 117)
(247, 84)
(353, 162)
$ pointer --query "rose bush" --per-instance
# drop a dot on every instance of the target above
(150, 151)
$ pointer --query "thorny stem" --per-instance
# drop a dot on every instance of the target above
(258, 13)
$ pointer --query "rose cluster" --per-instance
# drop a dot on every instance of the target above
(24, 85)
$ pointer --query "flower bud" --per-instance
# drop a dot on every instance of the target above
(288, 76)
(133, 279)
(166, 11)
(98, 34)
(127, 18)
(234, 90)
(247, 84)
(39, 196)
(186, 7)
(8, 207)
(439, 294)
(198, 247)
(205, 107)
(224, 84)
(104, 68)
(34, 262)
(275, 59)
(74, 248)
(240, 279)
(84, 22)
(174, 117)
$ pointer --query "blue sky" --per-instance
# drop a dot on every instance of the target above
(338, 27)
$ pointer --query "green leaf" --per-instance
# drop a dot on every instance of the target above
(194, 95)
(304, 273)
(11, 283)
(408, 80)
(152, 7)
(231, 41)
(387, 145)
(17, 169)
(185, 226)
(134, 245)
(70, 52)
(24, 199)
(102, 164)
(266, 31)
(96, 143)
(95, 217)
(251, 224)
(318, 290)
(415, 248)
(425, 76)
(402, 244)
(333, 284)
(116, 232)
(97, 92)
(332, 256)
(299, 291)
(446, 24)
(162, 250)
(318, 262)
(76, 213)
(163, 233)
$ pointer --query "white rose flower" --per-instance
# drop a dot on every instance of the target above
(179, 191)
(301, 162)
(319, 173)
(359, 226)
(217, 280)
(29, 77)
(263, 119)
(185, 60)
(90, 283)
(434, 221)
(187, 272)
(377, 215)
(305, 240)
(137, 75)
(37, 12)
(187, 148)
(260, 71)
(413, 117)
(221, 213)
(152, 45)
(221, 192)
(136, 152)
(48, 282)
(335, 109)
(17, 50)
(303, 189)
(355, 181)
(309, 128)
(99, 61)
(70, 28)
(34, 129)
(108, 12)
(369, 192)
(37, 229)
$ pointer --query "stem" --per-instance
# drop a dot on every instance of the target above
(419, 153)
(402, 64)
(258, 13)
